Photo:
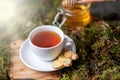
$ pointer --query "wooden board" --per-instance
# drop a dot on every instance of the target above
(19, 71)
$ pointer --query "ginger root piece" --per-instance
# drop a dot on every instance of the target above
(64, 60)
(68, 54)
(74, 57)
(71, 55)
(61, 62)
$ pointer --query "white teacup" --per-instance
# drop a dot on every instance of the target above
(47, 53)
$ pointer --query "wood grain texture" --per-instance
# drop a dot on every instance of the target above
(20, 71)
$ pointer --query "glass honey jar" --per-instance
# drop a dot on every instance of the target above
(77, 15)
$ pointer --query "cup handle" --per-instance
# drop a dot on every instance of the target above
(69, 44)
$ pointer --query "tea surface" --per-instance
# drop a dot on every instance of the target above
(46, 39)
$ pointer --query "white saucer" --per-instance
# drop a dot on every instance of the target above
(31, 60)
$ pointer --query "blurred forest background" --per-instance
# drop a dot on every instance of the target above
(98, 46)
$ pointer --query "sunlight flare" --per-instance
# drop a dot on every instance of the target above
(7, 10)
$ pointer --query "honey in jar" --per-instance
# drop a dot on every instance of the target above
(77, 15)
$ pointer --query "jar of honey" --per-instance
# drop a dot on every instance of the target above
(77, 15)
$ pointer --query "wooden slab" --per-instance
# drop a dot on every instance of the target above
(19, 71)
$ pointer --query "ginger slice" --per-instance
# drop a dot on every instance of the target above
(57, 64)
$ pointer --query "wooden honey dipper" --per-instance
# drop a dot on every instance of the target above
(67, 3)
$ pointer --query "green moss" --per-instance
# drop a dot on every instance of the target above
(98, 48)
(4, 61)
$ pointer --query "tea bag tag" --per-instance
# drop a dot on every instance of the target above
(56, 21)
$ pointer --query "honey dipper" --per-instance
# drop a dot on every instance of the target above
(67, 3)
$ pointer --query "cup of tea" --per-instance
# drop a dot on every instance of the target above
(47, 42)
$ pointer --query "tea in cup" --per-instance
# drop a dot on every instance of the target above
(47, 42)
